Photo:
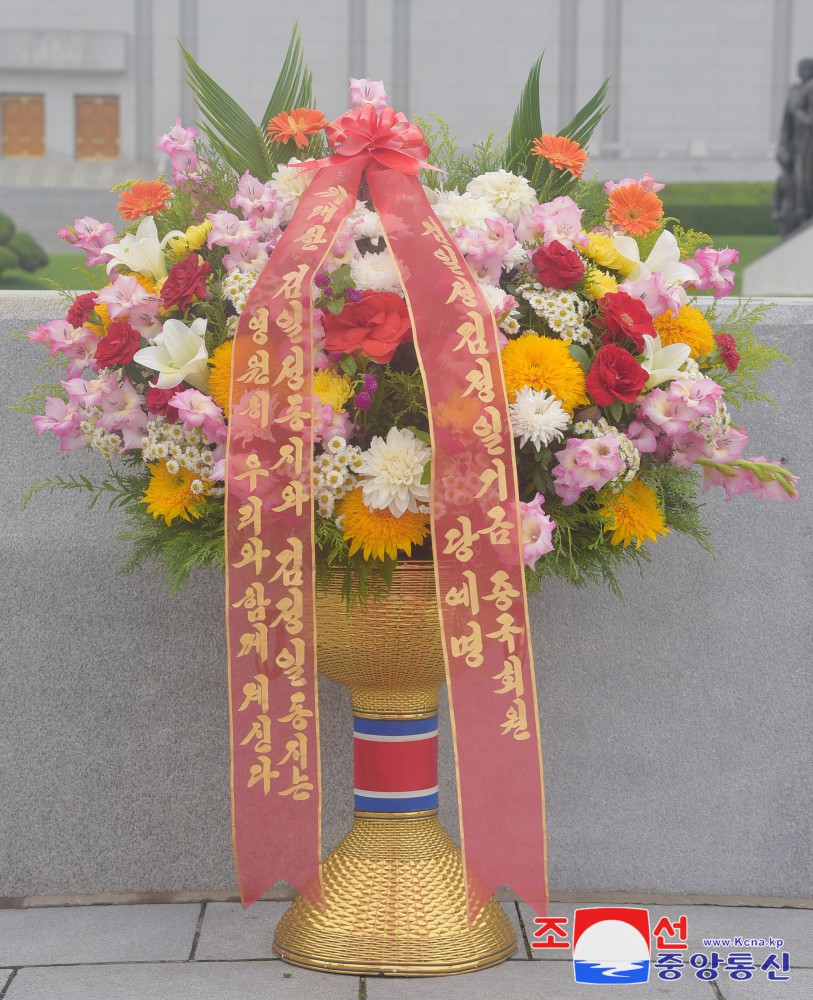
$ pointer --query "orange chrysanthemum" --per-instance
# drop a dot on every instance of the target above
(297, 125)
(144, 198)
(561, 152)
(636, 211)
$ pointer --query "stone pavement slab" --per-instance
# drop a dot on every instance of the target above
(795, 926)
(183, 981)
(4, 977)
(230, 933)
(77, 934)
(798, 987)
(524, 981)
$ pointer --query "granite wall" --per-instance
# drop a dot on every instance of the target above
(676, 725)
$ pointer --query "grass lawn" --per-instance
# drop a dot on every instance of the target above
(67, 270)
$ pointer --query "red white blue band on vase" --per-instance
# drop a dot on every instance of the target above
(396, 764)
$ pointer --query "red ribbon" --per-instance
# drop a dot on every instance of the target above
(475, 526)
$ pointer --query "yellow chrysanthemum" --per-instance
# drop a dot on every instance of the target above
(599, 283)
(690, 327)
(220, 375)
(601, 250)
(172, 495)
(633, 514)
(332, 389)
(543, 363)
(100, 329)
(193, 239)
(378, 532)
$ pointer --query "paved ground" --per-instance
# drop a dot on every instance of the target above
(215, 951)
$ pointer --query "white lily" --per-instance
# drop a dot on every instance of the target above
(142, 253)
(664, 257)
(178, 354)
(662, 363)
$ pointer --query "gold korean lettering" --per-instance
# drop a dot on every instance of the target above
(289, 321)
(466, 595)
(256, 369)
(469, 646)
(297, 715)
(252, 552)
(258, 324)
(301, 787)
(291, 286)
(503, 594)
(499, 531)
(488, 427)
(312, 238)
(472, 333)
(296, 750)
(252, 472)
(291, 612)
(293, 370)
(506, 632)
(251, 514)
(260, 732)
(254, 601)
(290, 561)
(460, 542)
(292, 664)
(293, 495)
(490, 477)
(510, 677)
(481, 382)
(516, 721)
(290, 454)
(262, 772)
(294, 415)
(462, 290)
(256, 641)
(256, 693)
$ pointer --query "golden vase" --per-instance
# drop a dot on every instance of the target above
(394, 890)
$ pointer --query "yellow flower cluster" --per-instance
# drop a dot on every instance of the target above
(633, 515)
(601, 250)
(690, 327)
(543, 364)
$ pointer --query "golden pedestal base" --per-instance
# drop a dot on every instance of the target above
(395, 905)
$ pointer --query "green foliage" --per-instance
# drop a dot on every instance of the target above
(402, 396)
(526, 124)
(120, 490)
(8, 259)
(677, 492)
(34, 401)
(6, 229)
(241, 143)
(444, 153)
(176, 549)
(756, 358)
(29, 253)
(689, 240)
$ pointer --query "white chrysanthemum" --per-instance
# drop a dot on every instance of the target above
(494, 296)
(291, 183)
(391, 472)
(455, 210)
(368, 225)
(517, 256)
(537, 417)
(375, 272)
(507, 193)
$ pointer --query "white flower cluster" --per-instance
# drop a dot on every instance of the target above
(538, 417)
(181, 448)
(627, 451)
(715, 427)
(105, 442)
(334, 473)
(375, 272)
(563, 311)
(236, 286)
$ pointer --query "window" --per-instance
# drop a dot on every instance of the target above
(97, 128)
(23, 125)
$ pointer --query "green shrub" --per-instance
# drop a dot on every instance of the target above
(31, 255)
(6, 229)
(8, 259)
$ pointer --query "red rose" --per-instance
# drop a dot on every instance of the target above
(118, 346)
(158, 402)
(80, 310)
(558, 265)
(624, 318)
(615, 375)
(186, 281)
(727, 347)
(375, 325)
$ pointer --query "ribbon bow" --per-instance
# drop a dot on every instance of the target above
(386, 137)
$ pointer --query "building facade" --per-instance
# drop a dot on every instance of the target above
(696, 88)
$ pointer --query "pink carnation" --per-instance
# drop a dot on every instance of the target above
(537, 531)
(584, 464)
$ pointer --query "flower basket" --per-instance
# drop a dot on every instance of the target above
(388, 389)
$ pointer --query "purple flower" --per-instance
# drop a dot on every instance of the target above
(363, 400)
(370, 383)
(354, 294)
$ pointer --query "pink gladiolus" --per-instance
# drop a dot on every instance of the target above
(250, 257)
(229, 231)
(127, 299)
(668, 416)
(91, 236)
(698, 396)
(584, 464)
(88, 393)
(726, 447)
(76, 346)
(713, 270)
(643, 437)
(255, 199)
(656, 295)
(123, 410)
(537, 531)
(63, 419)
(178, 139)
(559, 219)
(364, 91)
(647, 182)
(196, 409)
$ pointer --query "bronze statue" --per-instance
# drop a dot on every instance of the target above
(793, 199)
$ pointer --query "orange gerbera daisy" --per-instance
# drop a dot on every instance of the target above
(636, 211)
(561, 152)
(144, 198)
(297, 125)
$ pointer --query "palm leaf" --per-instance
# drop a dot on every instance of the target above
(294, 89)
(229, 129)
(580, 128)
(526, 125)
